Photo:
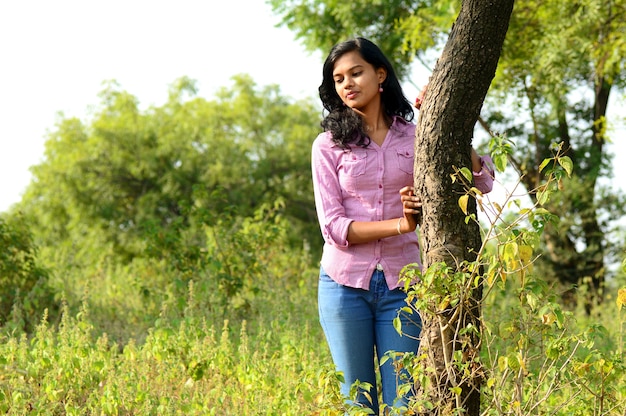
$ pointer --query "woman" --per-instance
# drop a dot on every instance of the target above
(362, 175)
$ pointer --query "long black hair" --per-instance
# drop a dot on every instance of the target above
(345, 125)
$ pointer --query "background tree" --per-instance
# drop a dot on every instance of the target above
(558, 67)
(560, 88)
(130, 176)
(149, 200)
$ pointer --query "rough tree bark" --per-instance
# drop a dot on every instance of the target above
(457, 89)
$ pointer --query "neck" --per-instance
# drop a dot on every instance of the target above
(374, 124)
(374, 118)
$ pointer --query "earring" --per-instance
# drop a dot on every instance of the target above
(380, 87)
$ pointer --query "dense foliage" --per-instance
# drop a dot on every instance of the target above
(154, 195)
(23, 280)
(163, 261)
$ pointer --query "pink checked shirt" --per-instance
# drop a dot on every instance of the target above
(362, 184)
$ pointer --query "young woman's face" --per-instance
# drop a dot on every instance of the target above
(356, 80)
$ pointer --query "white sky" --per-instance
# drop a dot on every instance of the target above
(54, 56)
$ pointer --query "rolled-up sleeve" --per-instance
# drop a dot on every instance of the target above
(328, 197)
(483, 180)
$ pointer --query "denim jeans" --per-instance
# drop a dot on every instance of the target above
(358, 324)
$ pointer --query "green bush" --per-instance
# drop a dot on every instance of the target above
(24, 291)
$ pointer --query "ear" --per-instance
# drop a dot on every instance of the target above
(382, 74)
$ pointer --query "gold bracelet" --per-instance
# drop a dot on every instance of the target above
(398, 226)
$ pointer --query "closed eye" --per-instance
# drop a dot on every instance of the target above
(355, 71)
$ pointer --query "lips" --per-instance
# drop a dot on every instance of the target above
(351, 95)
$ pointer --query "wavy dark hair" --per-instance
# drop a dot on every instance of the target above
(345, 125)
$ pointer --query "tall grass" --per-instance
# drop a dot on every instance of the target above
(149, 339)
(193, 367)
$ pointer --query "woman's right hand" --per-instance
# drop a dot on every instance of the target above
(411, 209)
(420, 97)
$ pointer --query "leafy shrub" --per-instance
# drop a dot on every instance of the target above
(23, 281)
(530, 355)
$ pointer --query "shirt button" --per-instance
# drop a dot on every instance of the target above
(379, 267)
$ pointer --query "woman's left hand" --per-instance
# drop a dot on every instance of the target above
(411, 208)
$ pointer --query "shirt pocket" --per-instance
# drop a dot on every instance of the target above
(405, 160)
(354, 163)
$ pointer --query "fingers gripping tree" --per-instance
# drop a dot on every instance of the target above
(452, 104)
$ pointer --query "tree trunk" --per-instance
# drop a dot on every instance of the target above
(455, 95)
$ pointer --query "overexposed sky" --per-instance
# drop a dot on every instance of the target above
(55, 55)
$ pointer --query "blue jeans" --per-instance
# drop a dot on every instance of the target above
(358, 324)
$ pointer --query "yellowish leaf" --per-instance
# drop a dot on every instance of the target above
(544, 164)
(510, 255)
(621, 298)
(502, 363)
(463, 200)
(444, 303)
(548, 318)
(525, 253)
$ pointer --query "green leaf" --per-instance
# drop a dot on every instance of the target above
(513, 361)
(500, 160)
(560, 318)
(467, 174)
(543, 196)
(397, 324)
(567, 164)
